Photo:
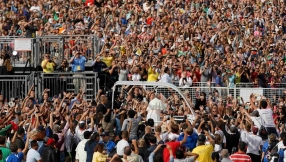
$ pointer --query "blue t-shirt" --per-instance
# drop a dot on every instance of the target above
(89, 148)
(109, 146)
(218, 81)
(15, 157)
(191, 140)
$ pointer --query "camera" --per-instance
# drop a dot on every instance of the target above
(12, 102)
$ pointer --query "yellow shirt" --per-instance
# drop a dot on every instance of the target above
(237, 79)
(151, 76)
(49, 66)
(98, 157)
(107, 61)
(204, 152)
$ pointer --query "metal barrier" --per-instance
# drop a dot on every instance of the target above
(197, 84)
(58, 46)
(12, 86)
(7, 46)
(63, 46)
(251, 85)
(68, 82)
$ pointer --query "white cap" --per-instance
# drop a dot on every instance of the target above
(51, 20)
(173, 136)
(81, 122)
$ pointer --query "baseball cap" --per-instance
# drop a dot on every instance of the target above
(255, 113)
(51, 142)
(202, 138)
(105, 134)
(172, 136)
(40, 128)
(81, 122)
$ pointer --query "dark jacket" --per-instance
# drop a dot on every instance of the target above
(98, 66)
(148, 152)
(232, 139)
(49, 154)
(4, 71)
(31, 31)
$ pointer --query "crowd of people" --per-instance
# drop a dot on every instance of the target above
(220, 42)
(142, 125)
(225, 42)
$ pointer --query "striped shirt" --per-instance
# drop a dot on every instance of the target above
(240, 157)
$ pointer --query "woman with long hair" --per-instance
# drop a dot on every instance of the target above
(123, 71)
(99, 153)
(8, 68)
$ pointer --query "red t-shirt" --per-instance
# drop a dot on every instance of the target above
(166, 153)
(149, 20)
(198, 75)
(254, 75)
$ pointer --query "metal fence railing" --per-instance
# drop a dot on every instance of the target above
(12, 86)
(197, 84)
(251, 85)
(63, 46)
(7, 46)
(59, 47)
(68, 82)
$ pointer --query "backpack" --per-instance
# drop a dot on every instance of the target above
(263, 132)
(271, 151)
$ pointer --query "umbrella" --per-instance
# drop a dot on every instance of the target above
(157, 104)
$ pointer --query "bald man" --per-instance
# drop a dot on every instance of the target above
(225, 156)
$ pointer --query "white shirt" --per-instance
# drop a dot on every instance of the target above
(258, 121)
(166, 78)
(35, 8)
(253, 143)
(280, 145)
(220, 132)
(266, 115)
(79, 133)
(80, 153)
(185, 83)
(136, 77)
(33, 156)
(243, 135)
(1, 62)
(120, 147)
